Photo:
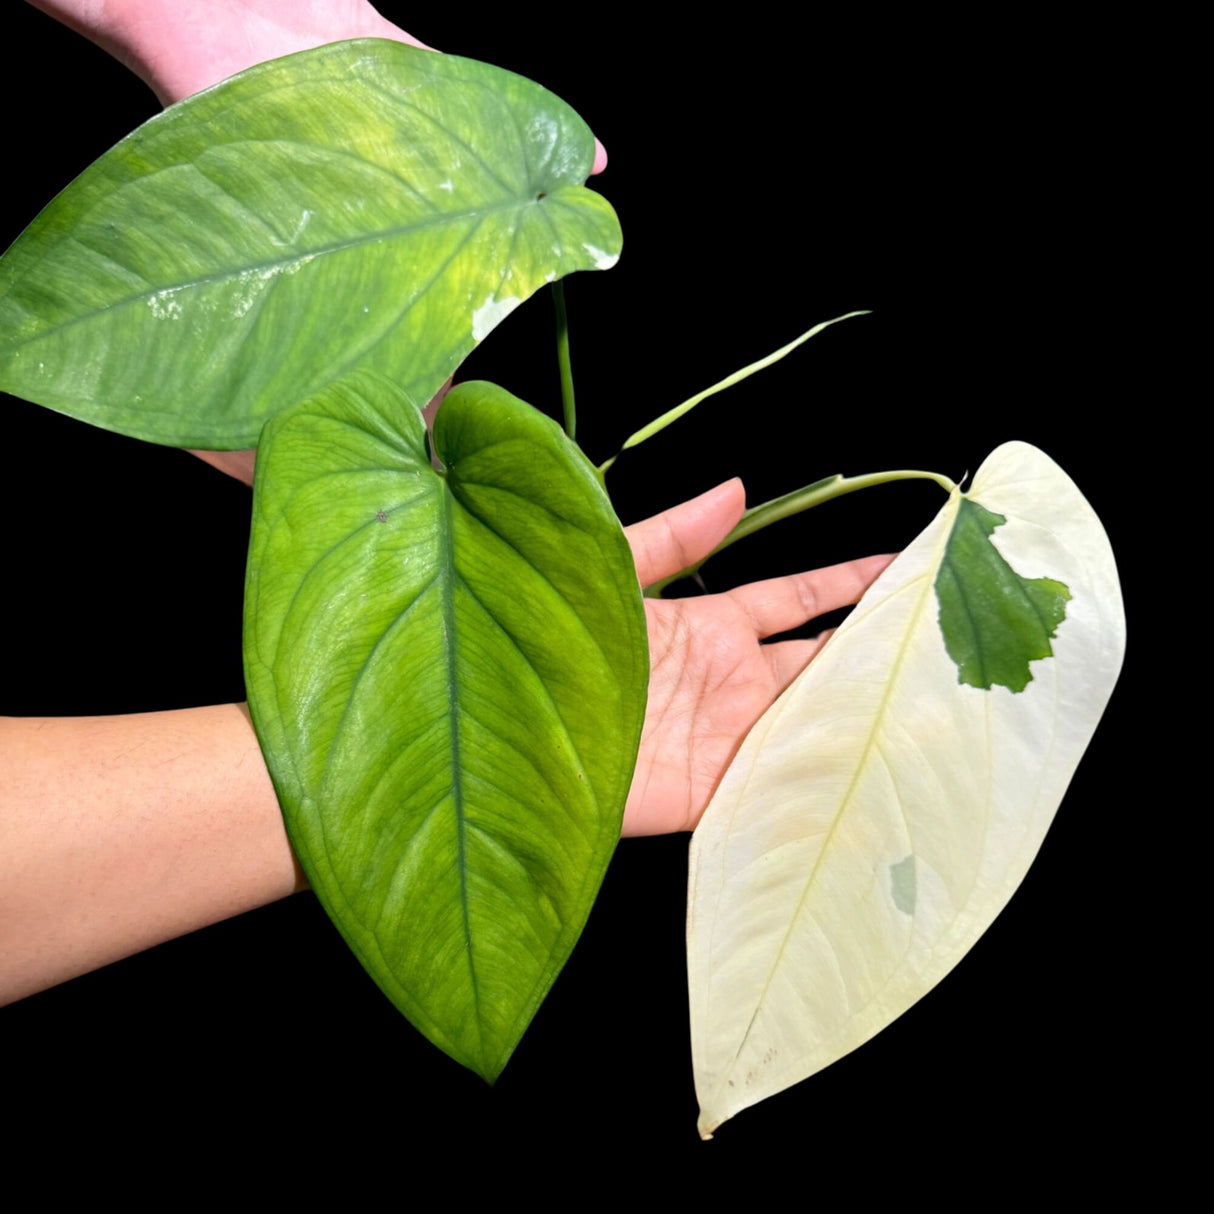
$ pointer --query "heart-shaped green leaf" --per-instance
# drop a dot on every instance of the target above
(363, 205)
(447, 671)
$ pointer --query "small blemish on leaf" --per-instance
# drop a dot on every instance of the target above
(903, 884)
(382, 515)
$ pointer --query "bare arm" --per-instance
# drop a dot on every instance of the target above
(117, 833)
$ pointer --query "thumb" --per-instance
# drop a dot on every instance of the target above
(684, 534)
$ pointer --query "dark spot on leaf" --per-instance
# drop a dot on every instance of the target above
(904, 885)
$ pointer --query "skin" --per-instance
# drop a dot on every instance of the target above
(117, 833)
(712, 676)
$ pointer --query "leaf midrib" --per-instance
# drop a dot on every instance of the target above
(845, 803)
(447, 578)
(279, 265)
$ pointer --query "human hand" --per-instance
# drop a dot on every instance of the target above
(710, 676)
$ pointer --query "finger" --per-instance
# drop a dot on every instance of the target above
(788, 602)
(600, 158)
(686, 533)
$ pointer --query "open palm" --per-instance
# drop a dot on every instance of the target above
(711, 677)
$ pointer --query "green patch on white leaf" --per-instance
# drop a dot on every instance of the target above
(994, 621)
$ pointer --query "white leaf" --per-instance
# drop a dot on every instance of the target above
(882, 813)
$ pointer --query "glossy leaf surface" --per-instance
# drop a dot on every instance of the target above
(447, 672)
(883, 811)
(363, 205)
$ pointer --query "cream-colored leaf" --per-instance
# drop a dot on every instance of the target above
(882, 812)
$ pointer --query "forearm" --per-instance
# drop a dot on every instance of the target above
(117, 833)
(179, 48)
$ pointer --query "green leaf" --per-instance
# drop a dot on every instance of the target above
(994, 621)
(881, 814)
(447, 672)
(362, 205)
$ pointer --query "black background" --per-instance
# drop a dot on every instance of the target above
(766, 178)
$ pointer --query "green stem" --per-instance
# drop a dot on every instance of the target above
(758, 517)
(672, 415)
(562, 357)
